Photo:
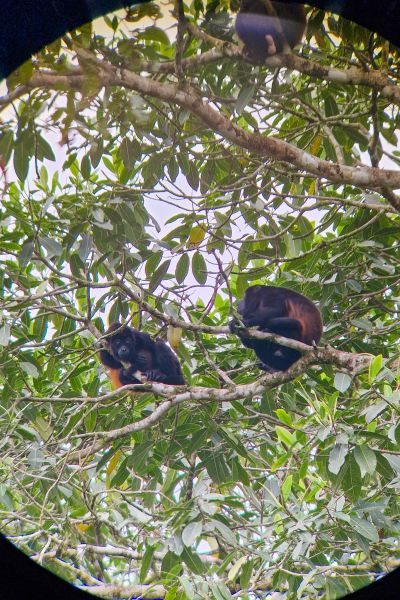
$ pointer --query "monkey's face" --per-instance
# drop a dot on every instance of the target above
(123, 347)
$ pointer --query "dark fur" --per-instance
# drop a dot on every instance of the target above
(132, 350)
(253, 23)
(282, 311)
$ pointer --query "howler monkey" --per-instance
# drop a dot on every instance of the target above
(134, 353)
(263, 34)
(282, 311)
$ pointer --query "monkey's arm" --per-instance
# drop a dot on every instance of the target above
(129, 375)
(108, 360)
(234, 327)
(285, 326)
(262, 316)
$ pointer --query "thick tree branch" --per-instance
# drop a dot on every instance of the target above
(270, 147)
(378, 80)
(146, 592)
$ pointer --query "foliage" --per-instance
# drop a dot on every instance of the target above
(121, 205)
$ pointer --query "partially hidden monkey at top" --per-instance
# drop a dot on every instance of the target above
(264, 34)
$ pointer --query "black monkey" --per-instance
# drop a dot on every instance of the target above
(282, 311)
(133, 353)
(261, 32)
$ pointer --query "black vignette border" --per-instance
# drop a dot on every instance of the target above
(26, 27)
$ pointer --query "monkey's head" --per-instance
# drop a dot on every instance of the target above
(251, 299)
(255, 306)
(122, 342)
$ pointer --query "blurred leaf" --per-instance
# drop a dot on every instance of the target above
(287, 487)
(191, 532)
(364, 528)
(182, 268)
(158, 275)
(285, 436)
(199, 268)
(337, 457)
(366, 459)
(192, 561)
(5, 333)
(374, 367)
(342, 382)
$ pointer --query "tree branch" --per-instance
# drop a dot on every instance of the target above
(270, 147)
(175, 395)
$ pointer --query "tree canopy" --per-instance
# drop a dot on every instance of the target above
(151, 172)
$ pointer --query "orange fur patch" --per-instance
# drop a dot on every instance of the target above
(114, 376)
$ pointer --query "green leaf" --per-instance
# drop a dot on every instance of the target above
(158, 275)
(22, 155)
(139, 457)
(217, 467)
(5, 333)
(40, 326)
(366, 460)
(96, 152)
(129, 152)
(152, 263)
(26, 253)
(90, 421)
(239, 473)
(287, 487)
(374, 367)
(27, 432)
(351, 482)
(173, 169)
(193, 177)
(285, 436)
(44, 150)
(237, 568)
(225, 531)
(155, 34)
(121, 475)
(394, 462)
(43, 427)
(6, 145)
(284, 417)
(220, 591)
(246, 94)
(30, 369)
(85, 166)
(342, 382)
(85, 247)
(199, 268)
(331, 107)
(364, 528)
(187, 587)
(372, 411)
(170, 562)
(192, 561)
(182, 268)
(191, 532)
(245, 576)
(52, 246)
(337, 457)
